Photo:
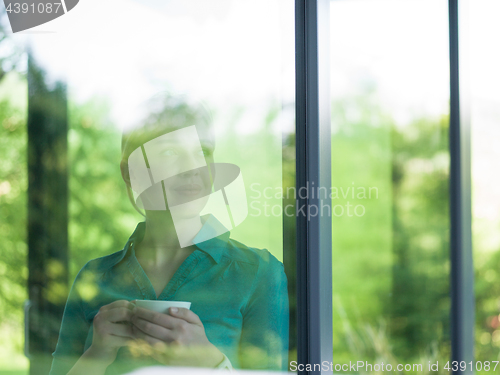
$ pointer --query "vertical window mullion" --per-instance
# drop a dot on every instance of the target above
(462, 273)
(313, 171)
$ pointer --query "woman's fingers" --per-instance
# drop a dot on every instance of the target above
(160, 319)
(105, 328)
(118, 314)
(176, 318)
(185, 314)
(151, 337)
(121, 330)
(143, 327)
(181, 327)
(120, 303)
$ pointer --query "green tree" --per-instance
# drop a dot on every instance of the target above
(420, 304)
(13, 267)
(390, 266)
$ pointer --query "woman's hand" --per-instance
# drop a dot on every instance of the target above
(177, 339)
(112, 330)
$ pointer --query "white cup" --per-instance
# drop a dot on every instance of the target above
(161, 306)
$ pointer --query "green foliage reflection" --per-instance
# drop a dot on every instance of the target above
(391, 268)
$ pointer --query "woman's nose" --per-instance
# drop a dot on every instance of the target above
(190, 164)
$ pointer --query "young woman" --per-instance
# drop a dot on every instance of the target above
(239, 304)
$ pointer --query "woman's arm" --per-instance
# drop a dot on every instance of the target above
(264, 337)
(70, 356)
(90, 363)
(73, 333)
(109, 335)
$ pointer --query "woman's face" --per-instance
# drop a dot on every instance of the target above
(187, 156)
(178, 166)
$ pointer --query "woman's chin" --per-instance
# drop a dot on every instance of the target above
(186, 211)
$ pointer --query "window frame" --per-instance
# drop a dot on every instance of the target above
(313, 168)
(462, 269)
(313, 164)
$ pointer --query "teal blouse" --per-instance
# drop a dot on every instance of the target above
(239, 293)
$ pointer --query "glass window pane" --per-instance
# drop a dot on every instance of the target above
(485, 118)
(176, 115)
(390, 170)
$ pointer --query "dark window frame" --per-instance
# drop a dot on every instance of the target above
(313, 168)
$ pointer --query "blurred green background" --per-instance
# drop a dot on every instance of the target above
(390, 265)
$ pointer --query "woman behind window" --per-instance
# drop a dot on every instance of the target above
(239, 304)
